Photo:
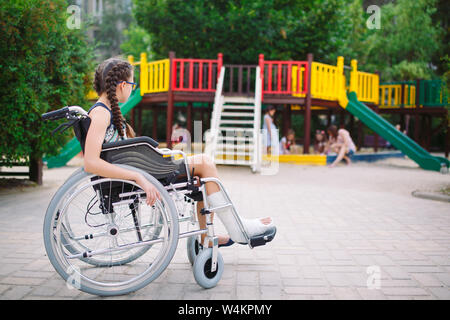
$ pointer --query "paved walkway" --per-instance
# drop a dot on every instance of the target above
(344, 233)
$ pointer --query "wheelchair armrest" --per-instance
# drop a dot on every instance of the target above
(130, 141)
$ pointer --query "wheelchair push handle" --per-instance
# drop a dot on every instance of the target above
(55, 115)
(71, 113)
(65, 112)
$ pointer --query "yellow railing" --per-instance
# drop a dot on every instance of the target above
(391, 96)
(155, 75)
(325, 81)
(366, 85)
(294, 80)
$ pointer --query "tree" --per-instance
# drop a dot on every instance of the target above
(241, 29)
(44, 66)
(403, 48)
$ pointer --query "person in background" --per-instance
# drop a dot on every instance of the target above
(287, 143)
(341, 143)
(321, 145)
(269, 126)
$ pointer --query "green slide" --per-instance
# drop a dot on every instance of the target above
(72, 148)
(395, 137)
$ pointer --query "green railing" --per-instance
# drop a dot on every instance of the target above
(433, 93)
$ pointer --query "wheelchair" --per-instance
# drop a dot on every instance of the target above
(102, 237)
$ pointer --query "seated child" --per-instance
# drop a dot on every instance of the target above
(287, 143)
(321, 143)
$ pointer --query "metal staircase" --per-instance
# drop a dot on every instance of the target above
(234, 137)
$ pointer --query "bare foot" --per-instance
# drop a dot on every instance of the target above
(266, 220)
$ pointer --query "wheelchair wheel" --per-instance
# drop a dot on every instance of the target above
(193, 248)
(202, 269)
(101, 237)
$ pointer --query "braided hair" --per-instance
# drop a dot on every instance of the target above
(107, 76)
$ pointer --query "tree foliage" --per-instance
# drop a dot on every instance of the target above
(44, 66)
(242, 29)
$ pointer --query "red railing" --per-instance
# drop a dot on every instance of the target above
(198, 75)
(277, 77)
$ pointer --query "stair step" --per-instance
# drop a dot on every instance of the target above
(238, 99)
(238, 107)
(237, 114)
(237, 162)
(238, 153)
(248, 130)
(234, 146)
(234, 138)
(236, 121)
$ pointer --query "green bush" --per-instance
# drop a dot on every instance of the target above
(44, 66)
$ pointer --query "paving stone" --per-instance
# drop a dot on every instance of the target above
(328, 235)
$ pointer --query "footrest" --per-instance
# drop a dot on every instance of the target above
(262, 239)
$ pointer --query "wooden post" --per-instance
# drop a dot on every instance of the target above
(189, 118)
(417, 121)
(447, 135)
(342, 119)
(169, 122)
(375, 147)
(289, 116)
(155, 123)
(36, 169)
(307, 122)
(284, 122)
(360, 135)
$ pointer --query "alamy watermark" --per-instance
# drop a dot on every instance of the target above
(235, 143)
(374, 278)
(74, 21)
(374, 21)
(74, 279)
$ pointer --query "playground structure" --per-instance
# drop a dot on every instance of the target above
(234, 95)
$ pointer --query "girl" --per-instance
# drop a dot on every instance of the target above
(269, 126)
(321, 144)
(288, 142)
(342, 144)
(113, 83)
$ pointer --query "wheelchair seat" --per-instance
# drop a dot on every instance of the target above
(141, 152)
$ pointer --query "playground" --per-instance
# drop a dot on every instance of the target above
(333, 225)
(237, 94)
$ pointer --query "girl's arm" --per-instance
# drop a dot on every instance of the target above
(94, 140)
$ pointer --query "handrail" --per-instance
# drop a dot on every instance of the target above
(391, 96)
(325, 81)
(205, 75)
(366, 85)
(257, 148)
(212, 138)
(282, 83)
(154, 76)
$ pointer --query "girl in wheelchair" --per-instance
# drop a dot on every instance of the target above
(113, 227)
(113, 83)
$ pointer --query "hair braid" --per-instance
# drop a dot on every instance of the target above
(107, 75)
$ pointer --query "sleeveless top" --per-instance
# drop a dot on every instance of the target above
(272, 127)
(346, 134)
(112, 134)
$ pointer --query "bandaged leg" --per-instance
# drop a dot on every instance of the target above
(253, 227)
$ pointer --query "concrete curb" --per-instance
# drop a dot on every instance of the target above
(430, 196)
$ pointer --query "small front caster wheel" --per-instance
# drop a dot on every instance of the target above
(202, 269)
(193, 248)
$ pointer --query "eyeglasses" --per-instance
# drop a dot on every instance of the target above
(132, 83)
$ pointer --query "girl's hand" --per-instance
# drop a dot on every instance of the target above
(149, 189)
